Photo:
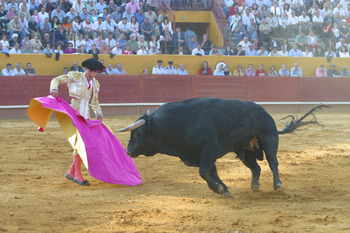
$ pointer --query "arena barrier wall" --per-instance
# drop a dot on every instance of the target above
(134, 94)
(134, 64)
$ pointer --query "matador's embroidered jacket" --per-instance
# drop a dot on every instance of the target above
(84, 94)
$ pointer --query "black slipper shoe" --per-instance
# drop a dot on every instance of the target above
(84, 183)
(69, 177)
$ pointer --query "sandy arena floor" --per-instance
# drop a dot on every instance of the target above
(314, 168)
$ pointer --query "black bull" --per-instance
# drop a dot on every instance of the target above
(199, 131)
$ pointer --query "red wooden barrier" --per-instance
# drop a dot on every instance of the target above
(166, 88)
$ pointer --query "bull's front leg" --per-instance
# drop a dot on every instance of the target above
(207, 162)
(215, 176)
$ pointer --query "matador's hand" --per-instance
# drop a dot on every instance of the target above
(99, 117)
(54, 93)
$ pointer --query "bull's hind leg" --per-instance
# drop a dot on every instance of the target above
(215, 176)
(249, 159)
(270, 149)
(207, 162)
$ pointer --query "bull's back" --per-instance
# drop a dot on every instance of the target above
(194, 122)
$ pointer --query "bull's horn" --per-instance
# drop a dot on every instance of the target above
(136, 125)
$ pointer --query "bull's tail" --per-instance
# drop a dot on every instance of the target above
(296, 122)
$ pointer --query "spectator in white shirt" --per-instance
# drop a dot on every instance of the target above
(110, 41)
(143, 50)
(78, 6)
(117, 50)
(7, 71)
(16, 49)
(219, 71)
(181, 70)
(198, 50)
(18, 71)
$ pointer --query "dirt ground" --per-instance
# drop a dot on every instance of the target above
(314, 168)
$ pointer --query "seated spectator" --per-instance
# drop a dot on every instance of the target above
(192, 44)
(295, 52)
(13, 41)
(205, 69)
(329, 53)
(284, 25)
(76, 67)
(333, 72)
(70, 49)
(296, 71)
(65, 70)
(110, 70)
(170, 69)
(319, 52)
(336, 32)
(312, 41)
(146, 29)
(3, 49)
(158, 69)
(265, 31)
(48, 50)
(262, 52)
(141, 41)
(46, 40)
(142, 50)
(27, 49)
(181, 70)
(344, 52)
(18, 71)
(25, 41)
(274, 52)
(240, 31)
(206, 44)
(105, 49)
(94, 50)
(244, 43)
(127, 50)
(15, 49)
(321, 71)
(58, 49)
(227, 71)
(4, 41)
(250, 51)
(327, 31)
(305, 24)
(228, 51)
(239, 51)
(252, 30)
(103, 70)
(180, 51)
(133, 43)
(261, 71)
(7, 71)
(272, 20)
(198, 50)
(15, 27)
(82, 50)
(272, 72)
(284, 72)
(250, 71)
(117, 49)
(344, 71)
(219, 71)
(301, 40)
(285, 44)
(239, 71)
(153, 50)
(307, 53)
(122, 41)
(144, 71)
(37, 50)
(29, 70)
(341, 43)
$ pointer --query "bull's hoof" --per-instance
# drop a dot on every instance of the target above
(277, 186)
(255, 187)
(226, 194)
(221, 189)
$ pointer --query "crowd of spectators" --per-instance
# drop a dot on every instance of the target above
(309, 23)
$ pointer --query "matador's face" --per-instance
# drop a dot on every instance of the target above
(89, 74)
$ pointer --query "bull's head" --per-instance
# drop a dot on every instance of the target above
(141, 141)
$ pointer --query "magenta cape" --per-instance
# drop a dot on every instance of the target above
(100, 150)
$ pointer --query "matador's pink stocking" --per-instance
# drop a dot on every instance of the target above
(71, 171)
(78, 175)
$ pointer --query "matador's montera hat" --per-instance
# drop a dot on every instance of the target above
(92, 64)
